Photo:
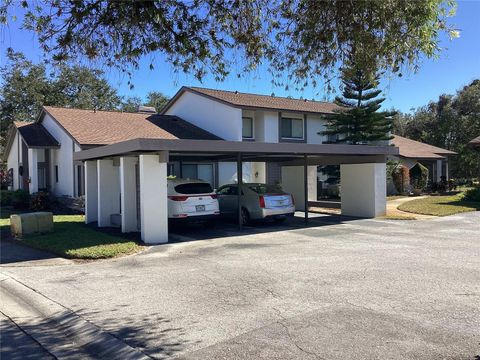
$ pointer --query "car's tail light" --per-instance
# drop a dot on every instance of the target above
(293, 199)
(214, 196)
(178, 198)
(262, 201)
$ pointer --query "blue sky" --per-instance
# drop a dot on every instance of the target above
(458, 65)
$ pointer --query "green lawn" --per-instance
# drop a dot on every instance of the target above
(73, 239)
(441, 205)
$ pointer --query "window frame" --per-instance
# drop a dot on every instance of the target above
(302, 119)
(252, 125)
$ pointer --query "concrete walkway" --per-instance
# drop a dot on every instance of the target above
(392, 208)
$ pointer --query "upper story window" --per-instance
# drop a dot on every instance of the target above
(292, 128)
(247, 127)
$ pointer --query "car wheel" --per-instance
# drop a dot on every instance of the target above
(245, 217)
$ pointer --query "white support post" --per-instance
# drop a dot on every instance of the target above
(91, 192)
(153, 198)
(438, 176)
(128, 194)
(108, 192)
(33, 170)
(363, 189)
(292, 182)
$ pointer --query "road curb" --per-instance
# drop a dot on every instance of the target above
(77, 333)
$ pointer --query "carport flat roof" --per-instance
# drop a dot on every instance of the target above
(221, 150)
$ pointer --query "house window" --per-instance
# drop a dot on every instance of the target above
(56, 173)
(247, 127)
(292, 128)
(198, 171)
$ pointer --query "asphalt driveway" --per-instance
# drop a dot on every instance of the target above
(364, 289)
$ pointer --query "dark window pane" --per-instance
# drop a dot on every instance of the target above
(193, 188)
(266, 189)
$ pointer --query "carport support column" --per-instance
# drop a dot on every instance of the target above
(33, 170)
(108, 191)
(363, 189)
(239, 192)
(128, 194)
(91, 192)
(153, 198)
(305, 187)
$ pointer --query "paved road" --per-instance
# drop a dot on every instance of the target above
(364, 289)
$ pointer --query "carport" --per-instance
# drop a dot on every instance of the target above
(126, 182)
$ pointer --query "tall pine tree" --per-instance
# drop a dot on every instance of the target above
(359, 122)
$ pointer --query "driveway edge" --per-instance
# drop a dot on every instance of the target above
(77, 332)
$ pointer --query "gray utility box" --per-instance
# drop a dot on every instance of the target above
(31, 223)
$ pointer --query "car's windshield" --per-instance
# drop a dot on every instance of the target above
(265, 189)
(194, 188)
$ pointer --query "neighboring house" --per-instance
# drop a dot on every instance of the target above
(434, 158)
(475, 143)
(40, 154)
(43, 158)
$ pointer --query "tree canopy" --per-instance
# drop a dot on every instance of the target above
(359, 121)
(27, 86)
(304, 39)
(450, 123)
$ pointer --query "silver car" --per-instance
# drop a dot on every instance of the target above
(259, 201)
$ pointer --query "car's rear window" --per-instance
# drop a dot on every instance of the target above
(193, 188)
(266, 189)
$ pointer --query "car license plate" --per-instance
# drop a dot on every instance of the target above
(200, 208)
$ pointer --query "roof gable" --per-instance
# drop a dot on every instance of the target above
(415, 149)
(257, 101)
(89, 127)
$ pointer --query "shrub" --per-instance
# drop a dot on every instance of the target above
(401, 178)
(40, 201)
(6, 197)
(472, 194)
(419, 176)
(20, 199)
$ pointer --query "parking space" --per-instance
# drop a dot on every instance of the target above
(228, 227)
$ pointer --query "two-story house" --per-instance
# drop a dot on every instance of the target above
(237, 116)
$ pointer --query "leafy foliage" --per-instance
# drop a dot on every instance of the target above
(419, 176)
(307, 39)
(359, 121)
(472, 194)
(27, 86)
(401, 178)
(450, 123)
(157, 100)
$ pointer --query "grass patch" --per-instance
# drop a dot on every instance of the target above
(398, 217)
(75, 240)
(442, 205)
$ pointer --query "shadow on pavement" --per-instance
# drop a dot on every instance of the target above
(225, 228)
(12, 251)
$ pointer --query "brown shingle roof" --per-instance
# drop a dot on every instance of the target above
(246, 100)
(35, 135)
(475, 142)
(180, 128)
(90, 127)
(415, 149)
